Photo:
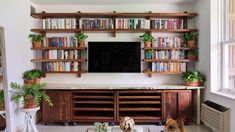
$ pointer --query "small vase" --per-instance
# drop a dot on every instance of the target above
(29, 102)
(148, 56)
(37, 44)
(29, 81)
(147, 44)
(191, 44)
(190, 83)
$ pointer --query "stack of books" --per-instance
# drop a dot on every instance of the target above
(59, 23)
(168, 24)
(168, 67)
(168, 42)
(61, 66)
(96, 23)
(60, 54)
(169, 54)
(132, 23)
(68, 41)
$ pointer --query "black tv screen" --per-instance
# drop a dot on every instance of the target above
(119, 57)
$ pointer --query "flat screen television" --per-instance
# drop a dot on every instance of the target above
(116, 57)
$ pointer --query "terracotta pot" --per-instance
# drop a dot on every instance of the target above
(29, 81)
(196, 83)
(147, 44)
(192, 57)
(29, 102)
(81, 43)
(37, 80)
(37, 44)
(191, 44)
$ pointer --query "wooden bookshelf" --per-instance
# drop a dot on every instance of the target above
(87, 15)
(58, 60)
(60, 48)
(168, 60)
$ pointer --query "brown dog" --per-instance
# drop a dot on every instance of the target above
(174, 126)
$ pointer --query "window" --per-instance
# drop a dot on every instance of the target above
(228, 47)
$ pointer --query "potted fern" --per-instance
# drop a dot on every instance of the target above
(81, 38)
(190, 38)
(36, 40)
(192, 55)
(32, 76)
(193, 78)
(2, 104)
(31, 93)
(147, 38)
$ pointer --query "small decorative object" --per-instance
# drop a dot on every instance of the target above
(2, 106)
(36, 40)
(190, 38)
(147, 38)
(192, 55)
(101, 127)
(32, 76)
(127, 124)
(149, 54)
(31, 93)
(193, 78)
(81, 38)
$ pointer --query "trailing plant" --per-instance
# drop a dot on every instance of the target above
(36, 37)
(2, 98)
(190, 36)
(81, 36)
(193, 76)
(34, 90)
(147, 37)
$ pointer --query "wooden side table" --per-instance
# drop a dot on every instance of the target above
(29, 119)
(3, 114)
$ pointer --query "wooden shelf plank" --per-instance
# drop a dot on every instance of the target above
(151, 72)
(139, 109)
(100, 15)
(140, 102)
(112, 30)
(58, 60)
(93, 109)
(168, 60)
(60, 48)
(162, 48)
(93, 102)
(139, 97)
(92, 97)
(65, 72)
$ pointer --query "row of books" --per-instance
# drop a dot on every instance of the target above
(96, 23)
(60, 54)
(168, 24)
(132, 23)
(168, 54)
(62, 66)
(168, 67)
(68, 41)
(168, 42)
(59, 23)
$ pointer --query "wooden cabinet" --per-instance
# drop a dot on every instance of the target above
(60, 112)
(178, 103)
(145, 106)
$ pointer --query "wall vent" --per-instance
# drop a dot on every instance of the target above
(215, 116)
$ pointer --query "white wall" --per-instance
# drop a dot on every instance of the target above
(208, 54)
(15, 18)
(118, 78)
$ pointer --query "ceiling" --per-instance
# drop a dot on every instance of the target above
(110, 1)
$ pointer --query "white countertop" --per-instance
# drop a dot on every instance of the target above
(117, 86)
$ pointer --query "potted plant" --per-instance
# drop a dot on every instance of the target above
(2, 104)
(147, 38)
(193, 78)
(149, 54)
(32, 76)
(81, 38)
(192, 54)
(190, 38)
(36, 40)
(37, 74)
(31, 93)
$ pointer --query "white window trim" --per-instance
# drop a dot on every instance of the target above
(217, 45)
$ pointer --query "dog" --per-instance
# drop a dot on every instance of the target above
(174, 125)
